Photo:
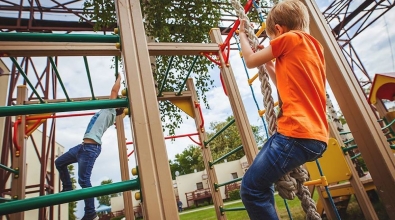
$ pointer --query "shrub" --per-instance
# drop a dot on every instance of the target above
(234, 194)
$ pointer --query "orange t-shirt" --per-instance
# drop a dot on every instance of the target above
(301, 77)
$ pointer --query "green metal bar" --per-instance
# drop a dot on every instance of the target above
(217, 185)
(219, 132)
(60, 80)
(223, 210)
(344, 132)
(392, 147)
(65, 197)
(345, 149)
(348, 141)
(391, 139)
(388, 125)
(186, 78)
(47, 37)
(89, 77)
(162, 85)
(26, 79)
(9, 169)
(355, 156)
(61, 107)
(5, 200)
(226, 155)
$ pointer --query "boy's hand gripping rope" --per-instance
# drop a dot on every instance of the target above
(293, 181)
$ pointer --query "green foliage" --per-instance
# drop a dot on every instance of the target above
(234, 195)
(362, 163)
(191, 158)
(72, 205)
(187, 21)
(229, 139)
(106, 199)
(185, 162)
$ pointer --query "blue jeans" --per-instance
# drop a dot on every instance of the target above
(279, 155)
(85, 155)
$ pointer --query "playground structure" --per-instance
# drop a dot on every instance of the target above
(159, 200)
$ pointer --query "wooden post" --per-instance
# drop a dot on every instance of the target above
(360, 118)
(154, 172)
(206, 151)
(241, 119)
(123, 162)
(359, 190)
(18, 182)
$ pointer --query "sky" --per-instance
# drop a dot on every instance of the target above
(375, 52)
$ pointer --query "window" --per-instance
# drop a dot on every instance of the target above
(234, 175)
(199, 185)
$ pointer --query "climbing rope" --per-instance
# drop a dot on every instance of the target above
(290, 184)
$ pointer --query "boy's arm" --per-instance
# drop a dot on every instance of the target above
(116, 87)
(252, 59)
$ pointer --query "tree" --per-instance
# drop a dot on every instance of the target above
(191, 158)
(229, 139)
(106, 199)
(72, 205)
(187, 21)
(187, 161)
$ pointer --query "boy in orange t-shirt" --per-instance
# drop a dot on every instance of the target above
(302, 128)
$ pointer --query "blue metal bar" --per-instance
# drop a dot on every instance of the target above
(328, 192)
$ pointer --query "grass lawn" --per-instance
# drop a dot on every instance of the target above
(353, 211)
(209, 213)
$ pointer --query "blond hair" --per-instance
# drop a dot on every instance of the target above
(292, 14)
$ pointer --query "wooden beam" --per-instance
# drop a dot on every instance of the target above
(159, 200)
(239, 112)
(359, 190)
(37, 49)
(359, 116)
(165, 96)
(207, 157)
(18, 184)
(123, 162)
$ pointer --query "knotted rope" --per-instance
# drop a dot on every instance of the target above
(290, 184)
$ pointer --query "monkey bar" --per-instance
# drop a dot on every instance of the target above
(49, 37)
(65, 197)
(61, 107)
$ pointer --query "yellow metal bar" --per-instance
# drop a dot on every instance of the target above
(262, 112)
(263, 26)
(321, 182)
(251, 80)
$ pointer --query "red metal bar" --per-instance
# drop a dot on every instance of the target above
(247, 7)
(38, 118)
(131, 153)
(18, 148)
(198, 143)
(172, 137)
(197, 105)
(222, 83)
(211, 59)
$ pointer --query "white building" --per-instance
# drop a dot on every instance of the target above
(194, 182)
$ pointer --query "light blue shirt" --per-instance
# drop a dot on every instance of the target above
(99, 123)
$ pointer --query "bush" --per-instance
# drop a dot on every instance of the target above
(234, 194)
